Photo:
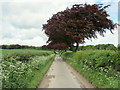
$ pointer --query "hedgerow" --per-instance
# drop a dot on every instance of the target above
(20, 70)
(100, 67)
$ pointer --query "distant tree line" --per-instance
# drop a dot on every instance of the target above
(17, 46)
(99, 47)
(87, 47)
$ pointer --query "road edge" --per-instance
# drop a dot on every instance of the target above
(80, 78)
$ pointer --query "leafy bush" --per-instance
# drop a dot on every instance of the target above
(98, 47)
(98, 59)
(100, 67)
(20, 69)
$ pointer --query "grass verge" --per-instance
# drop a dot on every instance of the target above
(37, 78)
(95, 66)
(24, 70)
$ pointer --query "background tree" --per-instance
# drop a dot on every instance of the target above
(98, 47)
(74, 25)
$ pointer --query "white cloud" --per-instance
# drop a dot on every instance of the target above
(108, 38)
(22, 20)
(37, 41)
(26, 20)
(25, 34)
(104, 1)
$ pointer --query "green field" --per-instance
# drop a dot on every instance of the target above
(22, 50)
(100, 67)
(24, 68)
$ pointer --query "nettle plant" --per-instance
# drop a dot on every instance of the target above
(69, 28)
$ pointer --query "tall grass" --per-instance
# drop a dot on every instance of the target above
(100, 67)
(24, 70)
(6, 51)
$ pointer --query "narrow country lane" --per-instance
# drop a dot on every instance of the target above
(61, 75)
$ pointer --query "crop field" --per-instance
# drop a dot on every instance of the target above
(22, 50)
(24, 68)
(100, 67)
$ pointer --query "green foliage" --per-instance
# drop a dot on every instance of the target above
(5, 51)
(98, 47)
(17, 46)
(20, 70)
(98, 59)
(100, 67)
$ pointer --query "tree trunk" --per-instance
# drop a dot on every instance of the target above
(77, 45)
(74, 48)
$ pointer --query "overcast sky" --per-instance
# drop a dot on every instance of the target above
(21, 20)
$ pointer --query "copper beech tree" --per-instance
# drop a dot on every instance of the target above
(69, 28)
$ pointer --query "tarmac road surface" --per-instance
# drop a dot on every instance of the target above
(61, 75)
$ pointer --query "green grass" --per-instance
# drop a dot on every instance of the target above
(4, 51)
(37, 78)
(97, 66)
(24, 68)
